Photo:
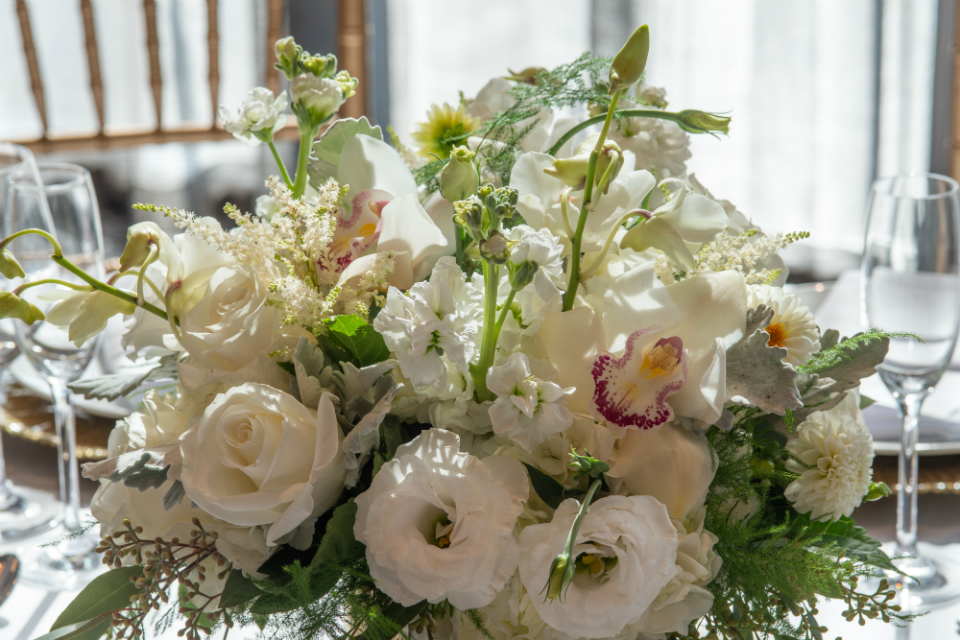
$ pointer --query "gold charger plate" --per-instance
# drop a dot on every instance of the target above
(29, 417)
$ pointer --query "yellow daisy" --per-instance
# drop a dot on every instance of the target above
(442, 130)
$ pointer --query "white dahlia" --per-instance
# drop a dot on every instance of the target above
(792, 327)
(835, 453)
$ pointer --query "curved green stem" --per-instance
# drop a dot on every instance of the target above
(102, 286)
(135, 274)
(626, 113)
(592, 269)
(503, 315)
(557, 582)
(173, 320)
(57, 250)
(62, 283)
(151, 258)
(280, 165)
(300, 184)
(488, 341)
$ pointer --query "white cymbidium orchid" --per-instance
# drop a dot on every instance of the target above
(383, 213)
(438, 319)
(528, 410)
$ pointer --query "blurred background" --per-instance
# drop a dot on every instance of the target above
(824, 95)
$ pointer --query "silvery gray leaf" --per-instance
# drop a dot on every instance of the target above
(758, 377)
(174, 495)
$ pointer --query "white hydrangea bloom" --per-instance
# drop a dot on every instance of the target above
(260, 112)
(434, 320)
(527, 410)
(685, 598)
(793, 326)
(438, 524)
(835, 451)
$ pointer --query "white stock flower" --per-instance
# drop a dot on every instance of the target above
(261, 113)
(835, 451)
(541, 247)
(792, 327)
(599, 603)
(435, 320)
(527, 410)
(438, 524)
(322, 96)
(685, 598)
(259, 457)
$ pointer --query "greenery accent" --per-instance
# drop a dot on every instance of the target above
(107, 593)
(849, 350)
(352, 339)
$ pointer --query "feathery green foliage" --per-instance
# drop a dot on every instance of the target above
(848, 349)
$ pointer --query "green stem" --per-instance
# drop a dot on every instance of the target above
(488, 341)
(280, 165)
(573, 281)
(135, 274)
(62, 283)
(589, 271)
(626, 113)
(101, 286)
(151, 258)
(300, 184)
(570, 565)
(57, 251)
(503, 315)
(458, 232)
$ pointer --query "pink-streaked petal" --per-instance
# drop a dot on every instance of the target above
(631, 391)
(365, 208)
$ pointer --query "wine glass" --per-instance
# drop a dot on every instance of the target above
(76, 225)
(23, 511)
(911, 283)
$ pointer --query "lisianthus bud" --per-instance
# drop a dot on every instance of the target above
(9, 266)
(573, 171)
(693, 121)
(317, 99)
(527, 76)
(459, 179)
(522, 274)
(13, 306)
(561, 575)
(628, 65)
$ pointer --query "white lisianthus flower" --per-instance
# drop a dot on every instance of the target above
(632, 544)
(257, 456)
(527, 410)
(793, 326)
(435, 320)
(438, 524)
(685, 597)
(511, 615)
(835, 453)
(260, 115)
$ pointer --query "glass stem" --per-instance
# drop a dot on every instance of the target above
(7, 498)
(69, 469)
(909, 405)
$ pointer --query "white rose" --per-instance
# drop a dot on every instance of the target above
(228, 325)
(636, 531)
(158, 423)
(438, 524)
(672, 464)
(259, 457)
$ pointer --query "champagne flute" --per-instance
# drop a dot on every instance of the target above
(76, 226)
(23, 511)
(911, 283)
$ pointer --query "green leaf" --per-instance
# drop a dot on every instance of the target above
(549, 490)
(399, 614)
(143, 474)
(865, 401)
(844, 535)
(392, 435)
(339, 546)
(122, 384)
(107, 592)
(238, 590)
(350, 338)
(289, 367)
(84, 630)
(326, 151)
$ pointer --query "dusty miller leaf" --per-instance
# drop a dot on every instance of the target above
(326, 151)
(756, 372)
(846, 364)
(122, 384)
(143, 474)
(174, 495)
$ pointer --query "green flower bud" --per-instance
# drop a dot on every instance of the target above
(878, 490)
(348, 84)
(630, 61)
(573, 171)
(9, 266)
(522, 274)
(13, 306)
(140, 237)
(320, 66)
(527, 76)
(469, 215)
(693, 121)
(287, 52)
(459, 179)
(561, 575)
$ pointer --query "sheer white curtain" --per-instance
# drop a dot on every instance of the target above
(823, 94)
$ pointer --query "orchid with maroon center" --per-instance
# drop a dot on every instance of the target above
(358, 226)
(631, 391)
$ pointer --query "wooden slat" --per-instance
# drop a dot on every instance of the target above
(33, 65)
(153, 49)
(271, 76)
(93, 60)
(352, 52)
(213, 57)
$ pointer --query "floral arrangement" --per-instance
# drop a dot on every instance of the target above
(498, 386)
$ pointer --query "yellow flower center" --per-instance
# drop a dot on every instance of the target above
(777, 334)
(661, 360)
